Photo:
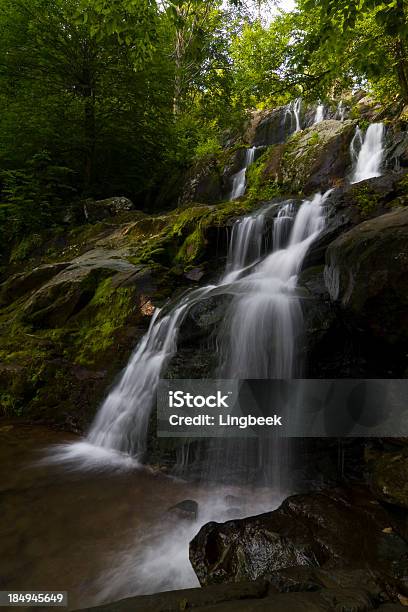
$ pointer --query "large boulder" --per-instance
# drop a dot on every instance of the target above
(70, 290)
(388, 475)
(317, 158)
(96, 210)
(310, 530)
(23, 283)
(366, 276)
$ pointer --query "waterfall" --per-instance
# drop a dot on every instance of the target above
(340, 112)
(319, 116)
(367, 152)
(122, 421)
(263, 322)
(239, 179)
(265, 318)
(293, 111)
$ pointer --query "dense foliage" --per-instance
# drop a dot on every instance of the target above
(118, 97)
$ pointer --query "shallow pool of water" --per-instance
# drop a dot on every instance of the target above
(101, 533)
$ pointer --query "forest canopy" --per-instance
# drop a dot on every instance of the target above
(119, 97)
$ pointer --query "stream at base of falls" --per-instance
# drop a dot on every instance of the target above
(100, 535)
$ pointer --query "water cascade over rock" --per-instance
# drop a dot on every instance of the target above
(293, 114)
(264, 313)
(319, 116)
(239, 179)
(367, 152)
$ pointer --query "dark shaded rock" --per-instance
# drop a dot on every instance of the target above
(204, 184)
(366, 276)
(96, 210)
(186, 509)
(388, 475)
(25, 282)
(312, 530)
(273, 127)
(396, 153)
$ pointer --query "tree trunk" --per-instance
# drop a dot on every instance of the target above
(402, 69)
(89, 129)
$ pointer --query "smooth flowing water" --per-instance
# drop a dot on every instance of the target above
(340, 112)
(319, 115)
(367, 152)
(100, 535)
(262, 325)
(293, 112)
(239, 179)
(265, 318)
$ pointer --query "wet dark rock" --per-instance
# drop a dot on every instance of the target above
(197, 599)
(312, 530)
(264, 596)
(388, 476)
(366, 276)
(186, 510)
(195, 274)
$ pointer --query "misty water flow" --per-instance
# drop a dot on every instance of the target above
(239, 179)
(340, 112)
(293, 114)
(319, 115)
(367, 152)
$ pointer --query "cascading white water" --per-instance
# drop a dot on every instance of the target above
(340, 112)
(319, 115)
(293, 111)
(268, 290)
(265, 318)
(122, 421)
(367, 152)
(239, 179)
(245, 245)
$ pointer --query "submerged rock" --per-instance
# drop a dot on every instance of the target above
(186, 509)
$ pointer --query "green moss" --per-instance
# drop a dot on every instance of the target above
(366, 199)
(25, 248)
(107, 312)
(314, 138)
(260, 187)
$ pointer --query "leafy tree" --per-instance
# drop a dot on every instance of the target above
(361, 40)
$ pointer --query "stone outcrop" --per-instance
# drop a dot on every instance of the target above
(316, 530)
(366, 275)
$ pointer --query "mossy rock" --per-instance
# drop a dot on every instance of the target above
(389, 477)
(317, 158)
